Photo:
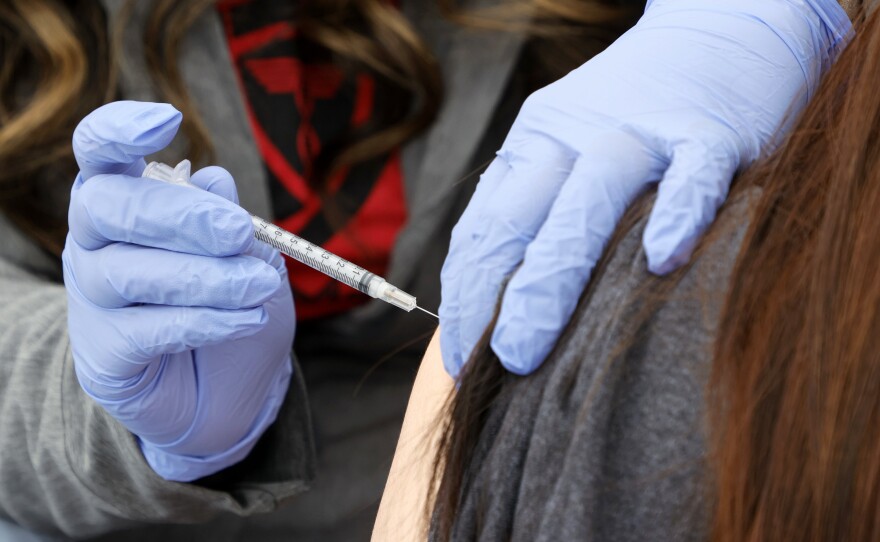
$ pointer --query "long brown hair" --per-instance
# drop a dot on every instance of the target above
(56, 66)
(794, 394)
(795, 389)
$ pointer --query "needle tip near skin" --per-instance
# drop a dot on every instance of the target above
(429, 313)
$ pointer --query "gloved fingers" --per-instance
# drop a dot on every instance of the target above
(688, 197)
(118, 208)
(216, 180)
(127, 353)
(236, 387)
(508, 223)
(121, 274)
(464, 233)
(115, 137)
(268, 254)
(158, 405)
(461, 240)
(544, 291)
(131, 337)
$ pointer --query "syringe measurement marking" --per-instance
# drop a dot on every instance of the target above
(306, 259)
(360, 285)
(354, 276)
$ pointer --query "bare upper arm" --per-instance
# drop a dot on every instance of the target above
(402, 512)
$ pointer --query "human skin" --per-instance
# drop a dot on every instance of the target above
(402, 512)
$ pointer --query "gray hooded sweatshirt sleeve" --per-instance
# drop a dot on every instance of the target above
(67, 467)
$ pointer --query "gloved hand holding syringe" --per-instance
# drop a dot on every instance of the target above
(301, 250)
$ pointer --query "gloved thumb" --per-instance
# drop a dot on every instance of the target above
(114, 138)
(216, 180)
(692, 189)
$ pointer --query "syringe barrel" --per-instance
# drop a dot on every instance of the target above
(331, 265)
(312, 255)
(301, 250)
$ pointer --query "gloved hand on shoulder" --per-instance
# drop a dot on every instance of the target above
(694, 92)
(181, 325)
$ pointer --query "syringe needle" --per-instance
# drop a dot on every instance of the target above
(428, 312)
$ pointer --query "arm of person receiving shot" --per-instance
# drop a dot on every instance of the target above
(672, 405)
(402, 514)
(683, 100)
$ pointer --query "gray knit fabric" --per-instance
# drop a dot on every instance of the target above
(67, 467)
(606, 441)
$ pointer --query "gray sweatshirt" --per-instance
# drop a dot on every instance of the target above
(66, 466)
(606, 442)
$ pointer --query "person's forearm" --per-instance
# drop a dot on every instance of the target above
(402, 514)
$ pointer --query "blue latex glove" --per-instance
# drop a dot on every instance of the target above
(688, 96)
(180, 323)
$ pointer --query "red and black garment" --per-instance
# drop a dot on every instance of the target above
(296, 107)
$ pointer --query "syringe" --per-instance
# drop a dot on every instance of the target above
(301, 250)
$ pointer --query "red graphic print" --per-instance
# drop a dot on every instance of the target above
(295, 108)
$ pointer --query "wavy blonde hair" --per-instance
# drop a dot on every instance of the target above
(57, 65)
(51, 55)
